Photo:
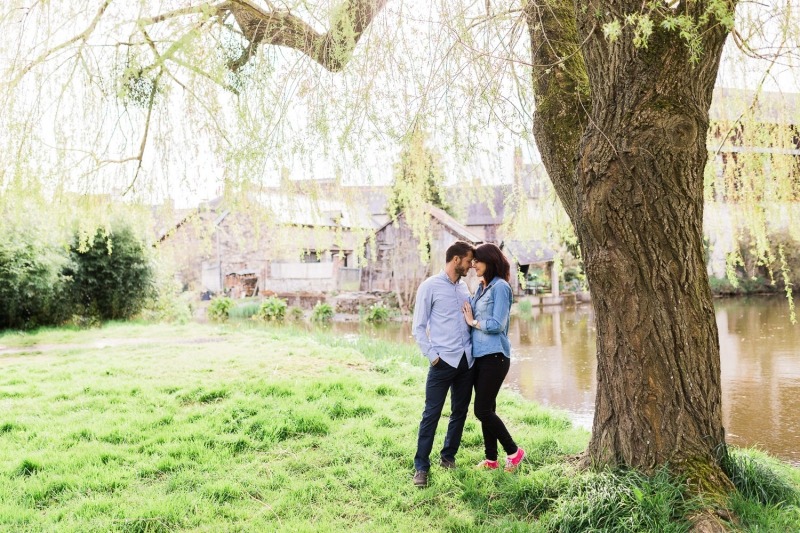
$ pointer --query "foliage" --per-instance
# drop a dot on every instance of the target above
(244, 310)
(742, 286)
(170, 306)
(759, 478)
(170, 302)
(112, 274)
(620, 501)
(273, 309)
(32, 287)
(377, 314)
(418, 178)
(219, 308)
(689, 28)
(574, 279)
(322, 312)
(525, 308)
(296, 313)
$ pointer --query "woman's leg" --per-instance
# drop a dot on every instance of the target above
(490, 371)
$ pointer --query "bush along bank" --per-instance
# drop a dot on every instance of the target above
(107, 275)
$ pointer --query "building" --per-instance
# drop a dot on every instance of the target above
(396, 259)
(278, 243)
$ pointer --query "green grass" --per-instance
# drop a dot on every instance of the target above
(242, 427)
(246, 309)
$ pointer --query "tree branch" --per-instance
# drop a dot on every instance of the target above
(332, 49)
(202, 8)
(80, 37)
(140, 156)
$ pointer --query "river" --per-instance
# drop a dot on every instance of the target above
(553, 363)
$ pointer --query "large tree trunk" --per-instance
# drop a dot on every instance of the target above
(634, 193)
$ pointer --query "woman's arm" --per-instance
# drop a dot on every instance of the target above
(501, 309)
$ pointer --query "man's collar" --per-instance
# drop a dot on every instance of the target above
(443, 274)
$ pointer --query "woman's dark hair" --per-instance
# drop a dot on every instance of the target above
(496, 263)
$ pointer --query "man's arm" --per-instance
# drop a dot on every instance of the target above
(422, 313)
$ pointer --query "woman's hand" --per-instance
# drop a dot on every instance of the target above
(467, 310)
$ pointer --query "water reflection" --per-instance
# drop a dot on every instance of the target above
(554, 364)
(760, 375)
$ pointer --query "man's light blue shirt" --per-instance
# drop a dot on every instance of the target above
(439, 326)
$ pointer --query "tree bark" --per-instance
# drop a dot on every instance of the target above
(635, 196)
(332, 49)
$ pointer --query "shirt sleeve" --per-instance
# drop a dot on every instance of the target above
(501, 310)
(422, 311)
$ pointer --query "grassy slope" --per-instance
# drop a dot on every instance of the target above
(262, 430)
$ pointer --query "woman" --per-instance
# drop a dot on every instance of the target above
(488, 313)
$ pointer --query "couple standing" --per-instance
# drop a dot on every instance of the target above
(466, 341)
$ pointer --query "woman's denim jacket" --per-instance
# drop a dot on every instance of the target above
(492, 308)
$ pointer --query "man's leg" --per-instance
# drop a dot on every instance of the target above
(439, 379)
(460, 396)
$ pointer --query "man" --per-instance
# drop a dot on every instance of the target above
(444, 338)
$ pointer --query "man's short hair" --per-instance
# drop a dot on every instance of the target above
(460, 249)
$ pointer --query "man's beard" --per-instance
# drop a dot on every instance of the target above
(462, 271)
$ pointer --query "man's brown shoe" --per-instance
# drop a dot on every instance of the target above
(447, 463)
(420, 479)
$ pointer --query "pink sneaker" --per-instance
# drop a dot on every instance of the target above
(486, 464)
(513, 461)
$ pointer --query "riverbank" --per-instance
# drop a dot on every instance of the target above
(135, 427)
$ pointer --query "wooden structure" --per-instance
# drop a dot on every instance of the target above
(394, 262)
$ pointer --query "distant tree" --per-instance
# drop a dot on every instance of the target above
(32, 288)
(418, 177)
(112, 276)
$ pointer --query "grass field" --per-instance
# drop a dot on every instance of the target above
(139, 428)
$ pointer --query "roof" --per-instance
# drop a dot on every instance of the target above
(167, 221)
(455, 227)
(490, 208)
(307, 210)
(529, 252)
(241, 273)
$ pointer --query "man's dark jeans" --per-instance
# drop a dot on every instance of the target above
(441, 378)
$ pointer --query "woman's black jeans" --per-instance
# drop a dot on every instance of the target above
(489, 372)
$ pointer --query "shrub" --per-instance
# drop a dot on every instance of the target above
(112, 275)
(244, 310)
(170, 304)
(33, 291)
(220, 308)
(296, 313)
(322, 312)
(377, 314)
(273, 309)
